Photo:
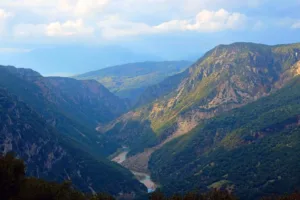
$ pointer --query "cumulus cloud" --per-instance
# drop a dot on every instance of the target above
(125, 18)
(205, 21)
(54, 29)
(208, 21)
(68, 28)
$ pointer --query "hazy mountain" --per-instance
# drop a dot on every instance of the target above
(50, 154)
(70, 60)
(130, 80)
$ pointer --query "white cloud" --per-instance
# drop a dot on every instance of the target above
(296, 25)
(69, 8)
(54, 29)
(288, 22)
(208, 21)
(79, 18)
(29, 30)
(4, 14)
(205, 21)
(68, 28)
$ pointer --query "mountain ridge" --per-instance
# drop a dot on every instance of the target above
(130, 80)
(51, 155)
(226, 77)
(236, 150)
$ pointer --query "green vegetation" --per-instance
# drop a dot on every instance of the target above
(15, 186)
(130, 80)
(252, 151)
(55, 156)
(226, 77)
(73, 107)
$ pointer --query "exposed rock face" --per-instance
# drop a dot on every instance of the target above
(252, 150)
(227, 77)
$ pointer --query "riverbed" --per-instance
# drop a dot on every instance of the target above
(142, 177)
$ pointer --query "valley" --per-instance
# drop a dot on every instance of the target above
(168, 122)
(149, 100)
(232, 114)
(130, 80)
(144, 178)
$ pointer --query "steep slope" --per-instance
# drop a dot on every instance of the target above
(227, 77)
(48, 154)
(252, 151)
(73, 107)
(130, 80)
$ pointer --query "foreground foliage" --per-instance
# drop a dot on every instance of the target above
(14, 185)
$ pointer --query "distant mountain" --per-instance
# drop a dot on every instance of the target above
(130, 80)
(50, 154)
(70, 60)
(252, 151)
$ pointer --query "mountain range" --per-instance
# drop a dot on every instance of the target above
(229, 121)
(170, 115)
(130, 80)
(49, 122)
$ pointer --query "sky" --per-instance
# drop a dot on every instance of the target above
(160, 29)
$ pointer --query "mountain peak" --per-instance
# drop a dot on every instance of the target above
(24, 73)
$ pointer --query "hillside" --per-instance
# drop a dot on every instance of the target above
(227, 77)
(51, 155)
(73, 107)
(252, 151)
(130, 80)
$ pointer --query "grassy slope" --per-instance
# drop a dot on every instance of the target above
(253, 150)
(130, 80)
(226, 77)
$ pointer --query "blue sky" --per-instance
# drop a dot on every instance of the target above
(168, 29)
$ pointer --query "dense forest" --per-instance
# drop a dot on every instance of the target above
(14, 185)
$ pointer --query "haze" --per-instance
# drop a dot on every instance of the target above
(68, 37)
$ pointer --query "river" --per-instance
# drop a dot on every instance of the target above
(142, 177)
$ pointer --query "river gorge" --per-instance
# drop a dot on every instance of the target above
(143, 177)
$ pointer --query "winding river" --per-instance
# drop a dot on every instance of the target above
(142, 177)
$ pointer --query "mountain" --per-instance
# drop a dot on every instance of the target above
(130, 80)
(51, 155)
(252, 151)
(227, 77)
(62, 60)
(73, 107)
